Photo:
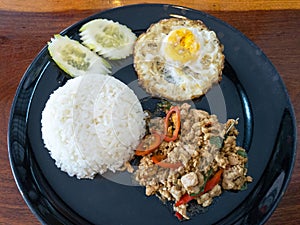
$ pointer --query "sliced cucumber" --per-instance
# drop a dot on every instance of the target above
(76, 59)
(108, 38)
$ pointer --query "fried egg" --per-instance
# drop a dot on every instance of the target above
(178, 59)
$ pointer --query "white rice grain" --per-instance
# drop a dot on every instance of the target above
(92, 124)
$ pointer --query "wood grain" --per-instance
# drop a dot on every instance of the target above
(208, 5)
(24, 34)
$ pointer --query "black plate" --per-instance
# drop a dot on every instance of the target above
(251, 90)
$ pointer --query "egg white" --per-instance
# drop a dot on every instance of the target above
(162, 75)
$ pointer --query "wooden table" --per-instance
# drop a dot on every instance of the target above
(26, 26)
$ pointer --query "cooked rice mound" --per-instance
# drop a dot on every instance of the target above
(92, 124)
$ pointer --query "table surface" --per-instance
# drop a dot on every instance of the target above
(26, 26)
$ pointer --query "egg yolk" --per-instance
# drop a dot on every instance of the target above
(182, 45)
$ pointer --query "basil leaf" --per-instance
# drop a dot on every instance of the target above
(244, 187)
(216, 140)
(242, 153)
(195, 194)
(205, 181)
(164, 105)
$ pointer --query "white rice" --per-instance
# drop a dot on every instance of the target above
(92, 124)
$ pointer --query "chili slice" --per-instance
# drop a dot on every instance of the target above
(184, 199)
(178, 215)
(148, 144)
(208, 186)
(158, 160)
(173, 109)
(213, 181)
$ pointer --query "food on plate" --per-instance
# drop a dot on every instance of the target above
(108, 38)
(197, 159)
(96, 123)
(178, 59)
(76, 59)
(92, 124)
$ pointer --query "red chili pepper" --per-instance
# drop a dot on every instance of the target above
(176, 121)
(184, 199)
(148, 144)
(158, 159)
(208, 186)
(213, 181)
(178, 215)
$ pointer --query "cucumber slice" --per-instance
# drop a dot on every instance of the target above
(76, 59)
(108, 38)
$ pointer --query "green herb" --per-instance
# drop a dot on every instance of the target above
(206, 178)
(244, 187)
(242, 153)
(195, 194)
(164, 105)
(216, 140)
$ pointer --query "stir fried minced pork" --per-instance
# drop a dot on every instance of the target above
(203, 161)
